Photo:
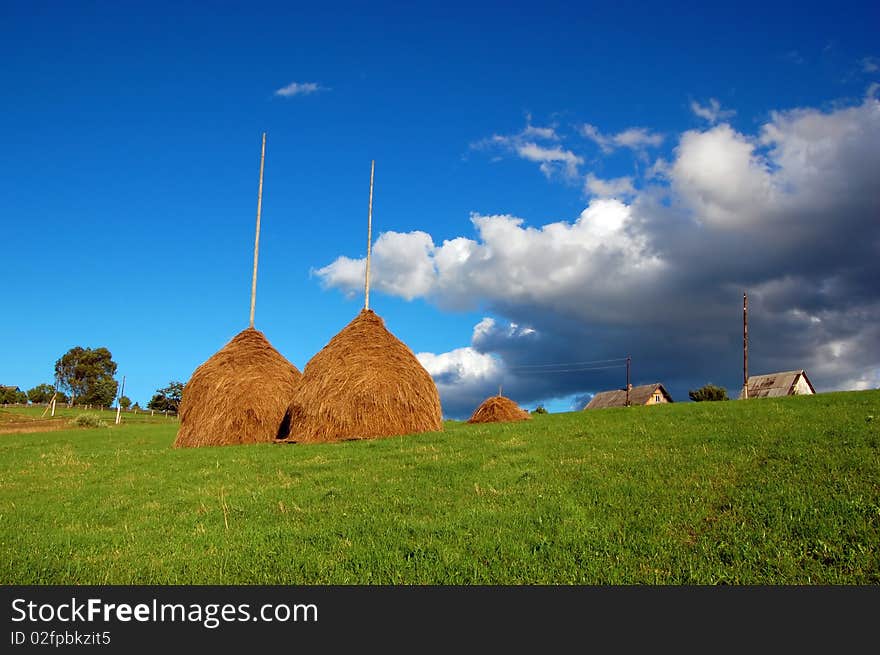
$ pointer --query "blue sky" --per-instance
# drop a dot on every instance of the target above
(683, 152)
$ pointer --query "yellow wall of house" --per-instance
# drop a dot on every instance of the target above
(652, 401)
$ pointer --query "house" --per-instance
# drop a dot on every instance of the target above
(646, 394)
(787, 383)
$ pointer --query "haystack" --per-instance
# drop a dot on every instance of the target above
(365, 383)
(238, 396)
(498, 409)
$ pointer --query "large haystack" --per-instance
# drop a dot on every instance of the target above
(238, 396)
(498, 409)
(364, 384)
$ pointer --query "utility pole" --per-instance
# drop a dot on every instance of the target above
(628, 361)
(745, 391)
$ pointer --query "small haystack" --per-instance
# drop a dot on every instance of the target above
(365, 383)
(498, 409)
(238, 396)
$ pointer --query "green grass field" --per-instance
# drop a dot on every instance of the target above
(781, 491)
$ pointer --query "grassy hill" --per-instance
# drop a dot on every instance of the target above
(771, 491)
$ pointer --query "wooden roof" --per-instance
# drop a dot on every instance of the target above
(617, 397)
(772, 385)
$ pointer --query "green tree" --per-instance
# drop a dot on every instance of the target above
(88, 375)
(101, 392)
(167, 398)
(708, 392)
(41, 394)
(125, 402)
(12, 396)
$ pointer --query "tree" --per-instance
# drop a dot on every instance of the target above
(125, 402)
(708, 392)
(102, 392)
(88, 375)
(167, 398)
(12, 396)
(41, 394)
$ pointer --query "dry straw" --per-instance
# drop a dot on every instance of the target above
(238, 396)
(498, 409)
(365, 383)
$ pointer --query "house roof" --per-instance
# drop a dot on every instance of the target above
(617, 397)
(776, 384)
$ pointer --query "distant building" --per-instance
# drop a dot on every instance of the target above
(646, 394)
(787, 383)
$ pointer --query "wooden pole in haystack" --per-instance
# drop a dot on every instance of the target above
(745, 391)
(369, 238)
(257, 237)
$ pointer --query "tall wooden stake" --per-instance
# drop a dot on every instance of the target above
(118, 406)
(50, 405)
(257, 238)
(745, 391)
(628, 360)
(369, 238)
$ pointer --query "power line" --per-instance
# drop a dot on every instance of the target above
(570, 370)
(595, 361)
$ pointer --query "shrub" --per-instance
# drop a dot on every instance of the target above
(89, 421)
(539, 410)
(708, 392)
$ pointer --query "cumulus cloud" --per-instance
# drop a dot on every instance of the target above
(508, 260)
(712, 111)
(717, 172)
(618, 187)
(788, 213)
(401, 265)
(298, 89)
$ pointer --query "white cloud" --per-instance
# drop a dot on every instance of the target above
(870, 64)
(461, 366)
(508, 261)
(712, 111)
(401, 265)
(548, 133)
(635, 138)
(552, 159)
(299, 89)
(618, 187)
(548, 157)
(592, 132)
(718, 174)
